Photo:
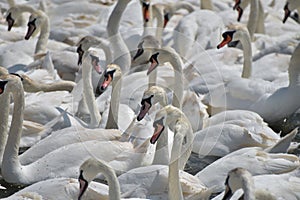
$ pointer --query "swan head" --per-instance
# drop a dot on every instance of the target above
(34, 23)
(154, 62)
(152, 95)
(235, 34)
(12, 15)
(144, 49)
(146, 9)
(237, 178)
(84, 44)
(91, 58)
(88, 171)
(239, 9)
(110, 76)
(287, 12)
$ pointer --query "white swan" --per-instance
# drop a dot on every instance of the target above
(244, 94)
(290, 6)
(172, 117)
(253, 159)
(264, 185)
(179, 124)
(48, 166)
(167, 54)
(121, 55)
(241, 178)
(89, 170)
(15, 13)
(39, 21)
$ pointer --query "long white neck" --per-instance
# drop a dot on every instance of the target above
(112, 120)
(260, 28)
(158, 13)
(175, 191)
(11, 168)
(42, 42)
(4, 107)
(120, 51)
(247, 53)
(56, 86)
(253, 18)
(181, 5)
(88, 91)
(178, 81)
(294, 68)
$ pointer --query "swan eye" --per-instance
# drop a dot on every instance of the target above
(154, 58)
(148, 100)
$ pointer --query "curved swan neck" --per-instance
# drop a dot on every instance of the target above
(11, 167)
(41, 44)
(158, 13)
(253, 18)
(247, 54)
(112, 120)
(88, 91)
(56, 86)
(119, 50)
(161, 156)
(181, 5)
(113, 183)
(248, 187)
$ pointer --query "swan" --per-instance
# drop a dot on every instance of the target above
(256, 16)
(290, 6)
(15, 12)
(14, 172)
(242, 178)
(89, 62)
(4, 99)
(255, 160)
(265, 100)
(168, 54)
(120, 51)
(181, 149)
(89, 170)
(179, 124)
(266, 184)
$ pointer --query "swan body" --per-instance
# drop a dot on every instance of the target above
(192, 33)
(253, 159)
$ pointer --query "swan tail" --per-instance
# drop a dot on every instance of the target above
(283, 144)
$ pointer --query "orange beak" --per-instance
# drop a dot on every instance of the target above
(224, 42)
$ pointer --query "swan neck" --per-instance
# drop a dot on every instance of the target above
(89, 93)
(112, 120)
(253, 18)
(175, 190)
(104, 44)
(57, 86)
(41, 44)
(152, 78)
(183, 5)
(158, 14)
(178, 82)
(294, 68)
(114, 186)
(261, 19)
(247, 53)
(11, 167)
(4, 107)
(115, 17)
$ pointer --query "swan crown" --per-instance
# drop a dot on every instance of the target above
(158, 93)
(91, 167)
